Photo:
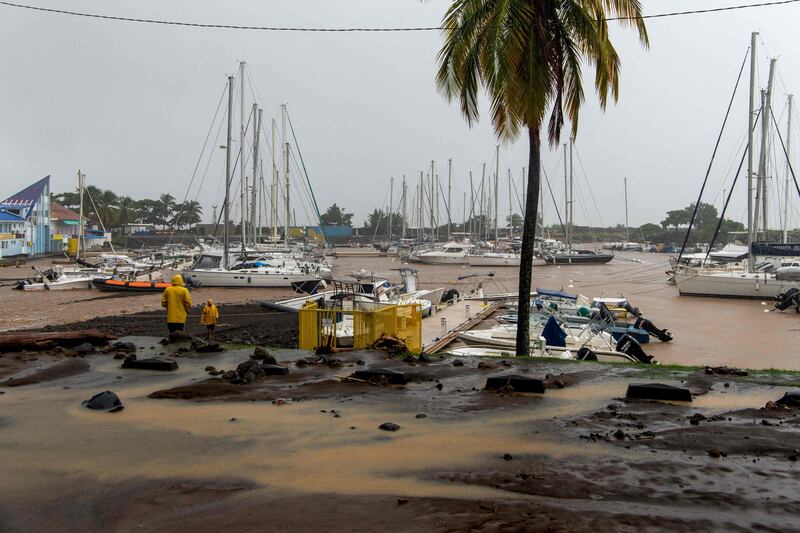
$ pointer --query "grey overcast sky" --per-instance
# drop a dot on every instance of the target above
(130, 104)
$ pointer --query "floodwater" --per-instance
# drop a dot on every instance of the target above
(708, 331)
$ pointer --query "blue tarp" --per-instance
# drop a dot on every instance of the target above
(556, 294)
(553, 334)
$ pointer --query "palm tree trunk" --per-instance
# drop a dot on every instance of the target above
(528, 236)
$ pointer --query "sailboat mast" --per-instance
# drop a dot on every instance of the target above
(420, 202)
(80, 215)
(496, 193)
(254, 191)
(391, 205)
(449, 198)
(403, 209)
(226, 206)
(765, 137)
(627, 233)
(242, 183)
(273, 196)
(260, 177)
(788, 170)
(287, 220)
(571, 196)
(566, 198)
(510, 207)
(750, 121)
(484, 219)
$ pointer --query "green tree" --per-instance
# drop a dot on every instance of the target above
(336, 216)
(127, 211)
(528, 56)
(514, 220)
(149, 210)
(188, 214)
(649, 231)
(166, 209)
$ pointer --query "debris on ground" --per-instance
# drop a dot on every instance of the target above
(515, 383)
(202, 346)
(790, 399)
(381, 376)
(261, 354)
(390, 344)
(725, 371)
(40, 341)
(389, 426)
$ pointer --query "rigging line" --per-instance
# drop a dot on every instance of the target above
(200, 25)
(305, 173)
(591, 192)
(785, 153)
(725, 207)
(199, 160)
(713, 156)
(208, 164)
(558, 213)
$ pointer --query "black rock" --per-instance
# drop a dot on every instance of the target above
(696, 418)
(619, 434)
(201, 346)
(119, 355)
(424, 358)
(249, 371)
(439, 386)
(421, 415)
(83, 349)
(658, 391)
(392, 377)
(516, 382)
(508, 457)
(210, 369)
(389, 426)
(105, 401)
(151, 363)
(274, 370)
(262, 354)
(458, 362)
(506, 363)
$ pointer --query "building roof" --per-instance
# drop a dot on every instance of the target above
(27, 197)
(5, 216)
(59, 212)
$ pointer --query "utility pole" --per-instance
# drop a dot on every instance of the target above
(391, 205)
(788, 171)
(243, 185)
(287, 222)
(750, 121)
(449, 197)
(226, 238)
(496, 193)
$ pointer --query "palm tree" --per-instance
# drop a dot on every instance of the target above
(527, 55)
(166, 208)
(106, 205)
(189, 213)
(127, 211)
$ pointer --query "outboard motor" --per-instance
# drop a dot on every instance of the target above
(586, 354)
(661, 334)
(630, 346)
(632, 310)
(790, 298)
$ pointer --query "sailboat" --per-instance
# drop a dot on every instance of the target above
(570, 255)
(211, 270)
(754, 279)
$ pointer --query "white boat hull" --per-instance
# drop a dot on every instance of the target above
(60, 285)
(245, 278)
(731, 284)
(442, 260)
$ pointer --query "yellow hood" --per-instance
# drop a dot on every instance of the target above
(177, 279)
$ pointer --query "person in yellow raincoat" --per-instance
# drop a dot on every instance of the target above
(209, 317)
(177, 300)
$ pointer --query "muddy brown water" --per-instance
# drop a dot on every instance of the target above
(714, 331)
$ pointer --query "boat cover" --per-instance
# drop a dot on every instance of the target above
(556, 294)
(553, 334)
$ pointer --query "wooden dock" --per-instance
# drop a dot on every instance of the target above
(443, 328)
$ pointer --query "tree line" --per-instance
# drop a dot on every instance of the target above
(120, 211)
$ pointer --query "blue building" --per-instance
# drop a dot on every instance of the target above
(32, 204)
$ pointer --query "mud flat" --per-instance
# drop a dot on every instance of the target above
(303, 451)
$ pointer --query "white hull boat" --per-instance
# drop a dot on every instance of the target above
(553, 352)
(731, 284)
(252, 278)
(61, 284)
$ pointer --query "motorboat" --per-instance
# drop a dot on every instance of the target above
(577, 257)
(452, 253)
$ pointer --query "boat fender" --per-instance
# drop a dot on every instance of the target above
(630, 346)
(249, 279)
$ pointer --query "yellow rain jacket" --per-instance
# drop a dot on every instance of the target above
(177, 301)
(210, 315)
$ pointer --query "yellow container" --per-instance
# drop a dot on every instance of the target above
(72, 248)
